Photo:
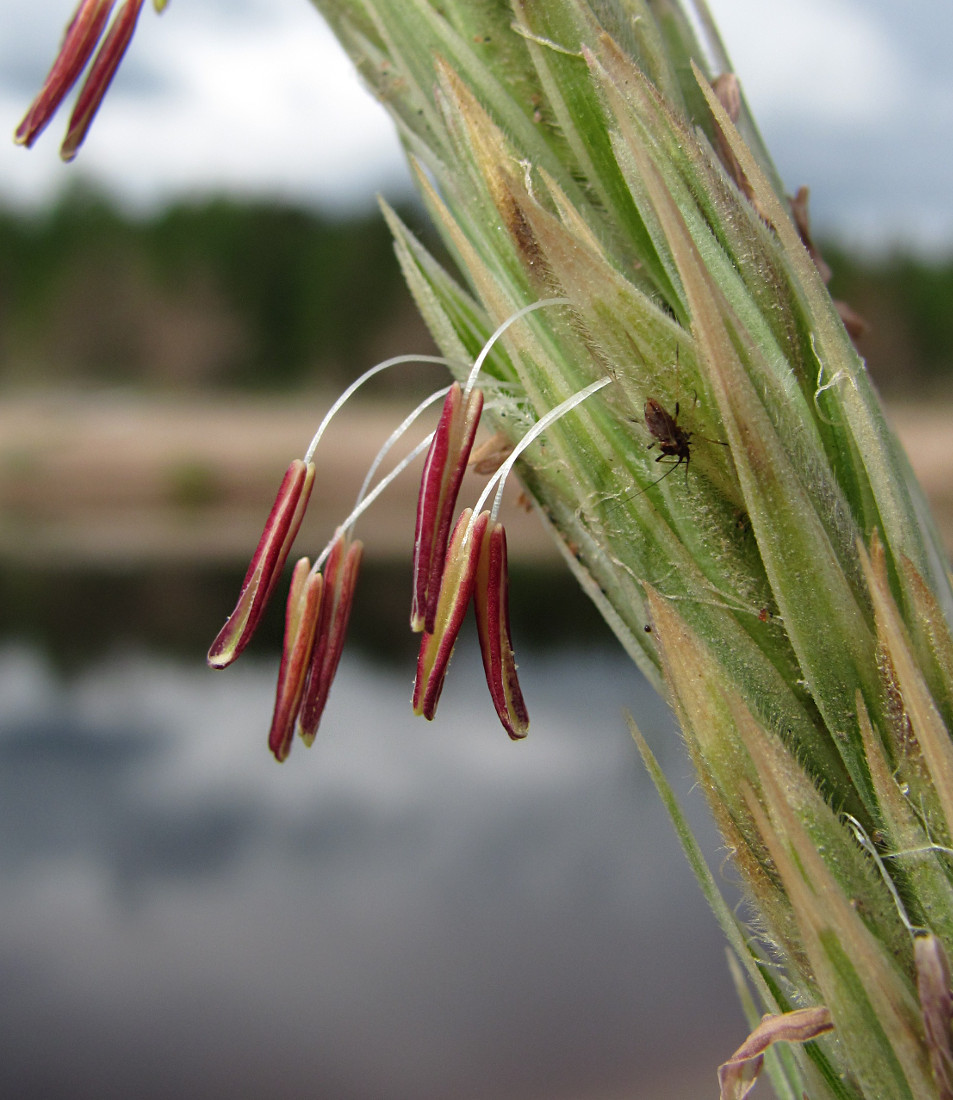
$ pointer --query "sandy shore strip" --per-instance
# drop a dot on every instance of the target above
(118, 478)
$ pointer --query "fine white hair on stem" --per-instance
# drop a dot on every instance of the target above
(499, 478)
(513, 317)
(362, 507)
(867, 844)
(358, 382)
(395, 435)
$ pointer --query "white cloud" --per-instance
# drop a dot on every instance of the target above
(254, 101)
(812, 57)
(254, 97)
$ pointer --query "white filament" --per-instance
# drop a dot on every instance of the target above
(358, 382)
(395, 435)
(481, 358)
(499, 478)
(361, 508)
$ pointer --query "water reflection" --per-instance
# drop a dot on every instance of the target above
(407, 910)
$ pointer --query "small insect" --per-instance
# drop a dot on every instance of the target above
(672, 439)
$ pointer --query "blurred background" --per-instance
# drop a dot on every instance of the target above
(407, 910)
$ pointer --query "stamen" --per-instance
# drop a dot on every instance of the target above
(499, 478)
(443, 471)
(269, 558)
(340, 580)
(492, 607)
(286, 516)
(436, 647)
(319, 607)
(100, 76)
(358, 382)
(82, 34)
(301, 621)
(442, 474)
(481, 358)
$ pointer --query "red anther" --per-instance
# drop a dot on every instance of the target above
(301, 621)
(491, 602)
(80, 40)
(100, 76)
(269, 558)
(459, 576)
(443, 471)
(340, 581)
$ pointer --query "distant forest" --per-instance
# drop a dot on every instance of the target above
(259, 296)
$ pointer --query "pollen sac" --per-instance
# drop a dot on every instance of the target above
(100, 77)
(301, 621)
(269, 558)
(340, 581)
(936, 1006)
(459, 577)
(443, 471)
(490, 455)
(80, 40)
(491, 601)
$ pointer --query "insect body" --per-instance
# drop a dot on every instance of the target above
(673, 441)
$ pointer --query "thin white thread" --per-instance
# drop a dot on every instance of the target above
(485, 351)
(499, 478)
(358, 382)
(364, 502)
(865, 842)
(395, 435)
(525, 32)
(822, 386)
(361, 508)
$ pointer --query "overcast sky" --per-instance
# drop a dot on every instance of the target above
(855, 98)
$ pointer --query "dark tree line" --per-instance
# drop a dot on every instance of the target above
(256, 295)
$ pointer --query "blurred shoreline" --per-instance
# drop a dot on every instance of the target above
(120, 479)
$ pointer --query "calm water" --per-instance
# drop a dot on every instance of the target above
(408, 910)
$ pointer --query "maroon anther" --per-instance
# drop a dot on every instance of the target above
(301, 621)
(439, 486)
(459, 577)
(80, 40)
(100, 76)
(491, 602)
(340, 580)
(269, 558)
